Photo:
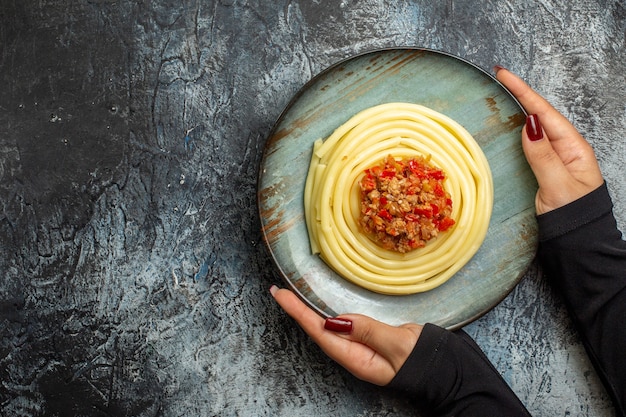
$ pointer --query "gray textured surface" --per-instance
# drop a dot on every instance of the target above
(133, 278)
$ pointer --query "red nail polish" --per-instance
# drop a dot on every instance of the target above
(338, 325)
(533, 127)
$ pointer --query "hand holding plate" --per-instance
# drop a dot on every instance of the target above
(370, 350)
(563, 162)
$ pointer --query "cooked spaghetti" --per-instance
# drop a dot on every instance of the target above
(332, 197)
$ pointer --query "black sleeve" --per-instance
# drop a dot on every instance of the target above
(448, 375)
(583, 253)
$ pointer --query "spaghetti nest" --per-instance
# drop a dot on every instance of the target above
(332, 197)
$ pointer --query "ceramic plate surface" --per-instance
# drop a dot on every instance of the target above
(450, 86)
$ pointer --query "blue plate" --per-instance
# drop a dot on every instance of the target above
(450, 86)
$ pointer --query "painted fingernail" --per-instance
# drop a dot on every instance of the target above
(533, 127)
(497, 68)
(338, 325)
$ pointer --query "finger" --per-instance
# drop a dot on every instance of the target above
(393, 343)
(335, 346)
(309, 320)
(541, 156)
(555, 124)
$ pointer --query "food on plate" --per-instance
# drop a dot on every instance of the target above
(395, 134)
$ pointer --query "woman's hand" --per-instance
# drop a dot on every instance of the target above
(370, 350)
(563, 162)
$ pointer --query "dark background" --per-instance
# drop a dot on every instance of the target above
(134, 281)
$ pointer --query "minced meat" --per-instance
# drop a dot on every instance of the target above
(404, 204)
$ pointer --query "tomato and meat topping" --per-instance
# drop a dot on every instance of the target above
(404, 203)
